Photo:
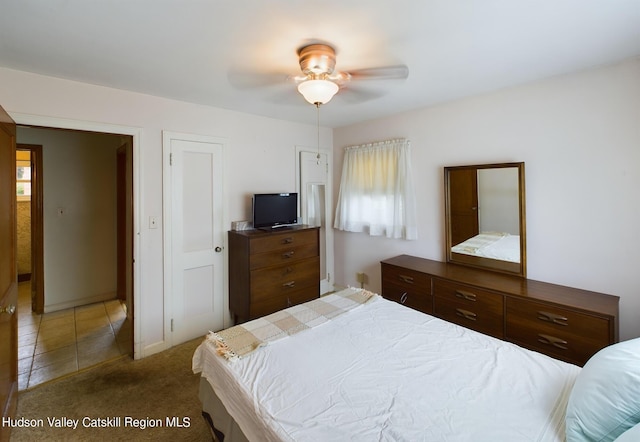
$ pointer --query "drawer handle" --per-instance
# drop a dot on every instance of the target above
(287, 240)
(466, 295)
(289, 284)
(288, 254)
(403, 298)
(552, 317)
(466, 314)
(405, 278)
(552, 340)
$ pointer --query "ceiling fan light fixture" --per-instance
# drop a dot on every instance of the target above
(318, 91)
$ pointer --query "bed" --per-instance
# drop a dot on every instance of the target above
(494, 245)
(355, 366)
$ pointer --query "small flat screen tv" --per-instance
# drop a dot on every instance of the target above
(274, 210)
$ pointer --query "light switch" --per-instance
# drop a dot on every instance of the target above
(153, 222)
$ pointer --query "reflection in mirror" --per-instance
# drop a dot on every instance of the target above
(485, 216)
(315, 217)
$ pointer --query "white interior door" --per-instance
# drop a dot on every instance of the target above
(196, 237)
(315, 207)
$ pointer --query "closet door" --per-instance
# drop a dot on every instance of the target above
(196, 235)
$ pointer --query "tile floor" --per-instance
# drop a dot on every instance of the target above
(55, 344)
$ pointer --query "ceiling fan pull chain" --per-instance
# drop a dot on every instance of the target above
(318, 125)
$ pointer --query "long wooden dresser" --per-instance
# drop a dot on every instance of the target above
(272, 270)
(563, 322)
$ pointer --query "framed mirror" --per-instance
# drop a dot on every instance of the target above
(485, 217)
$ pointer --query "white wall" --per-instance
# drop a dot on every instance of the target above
(79, 177)
(579, 136)
(261, 157)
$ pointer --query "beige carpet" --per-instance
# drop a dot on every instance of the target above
(160, 389)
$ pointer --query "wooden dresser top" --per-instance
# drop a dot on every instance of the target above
(277, 231)
(512, 285)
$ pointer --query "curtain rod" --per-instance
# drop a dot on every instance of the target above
(377, 143)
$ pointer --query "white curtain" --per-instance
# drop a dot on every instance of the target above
(376, 190)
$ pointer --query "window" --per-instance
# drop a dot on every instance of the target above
(23, 180)
(376, 191)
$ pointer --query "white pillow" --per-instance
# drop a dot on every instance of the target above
(605, 400)
(631, 435)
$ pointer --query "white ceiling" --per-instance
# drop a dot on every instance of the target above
(189, 50)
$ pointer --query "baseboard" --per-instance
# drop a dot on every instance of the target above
(153, 349)
(80, 302)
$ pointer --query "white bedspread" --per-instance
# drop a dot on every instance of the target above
(384, 372)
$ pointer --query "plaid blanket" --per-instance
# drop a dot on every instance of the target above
(240, 340)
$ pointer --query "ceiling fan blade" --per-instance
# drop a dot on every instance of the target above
(288, 97)
(250, 79)
(354, 94)
(397, 72)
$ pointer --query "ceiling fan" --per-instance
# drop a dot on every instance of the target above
(319, 80)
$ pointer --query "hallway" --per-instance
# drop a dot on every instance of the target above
(59, 343)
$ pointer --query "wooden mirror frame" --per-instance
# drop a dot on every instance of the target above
(519, 269)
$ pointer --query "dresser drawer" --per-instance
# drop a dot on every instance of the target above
(280, 280)
(566, 334)
(410, 297)
(283, 255)
(407, 279)
(407, 287)
(287, 240)
(470, 307)
(282, 301)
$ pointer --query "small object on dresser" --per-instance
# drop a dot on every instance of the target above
(241, 225)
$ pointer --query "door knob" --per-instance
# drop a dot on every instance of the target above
(11, 309)
(218, 249)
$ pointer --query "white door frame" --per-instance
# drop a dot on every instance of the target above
(136, 135)
(328, 204)
(167, 136)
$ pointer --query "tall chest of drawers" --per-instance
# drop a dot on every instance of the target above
(563, 322)
(270, 271)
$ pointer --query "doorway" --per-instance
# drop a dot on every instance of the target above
(84, 218)
(29, 228)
